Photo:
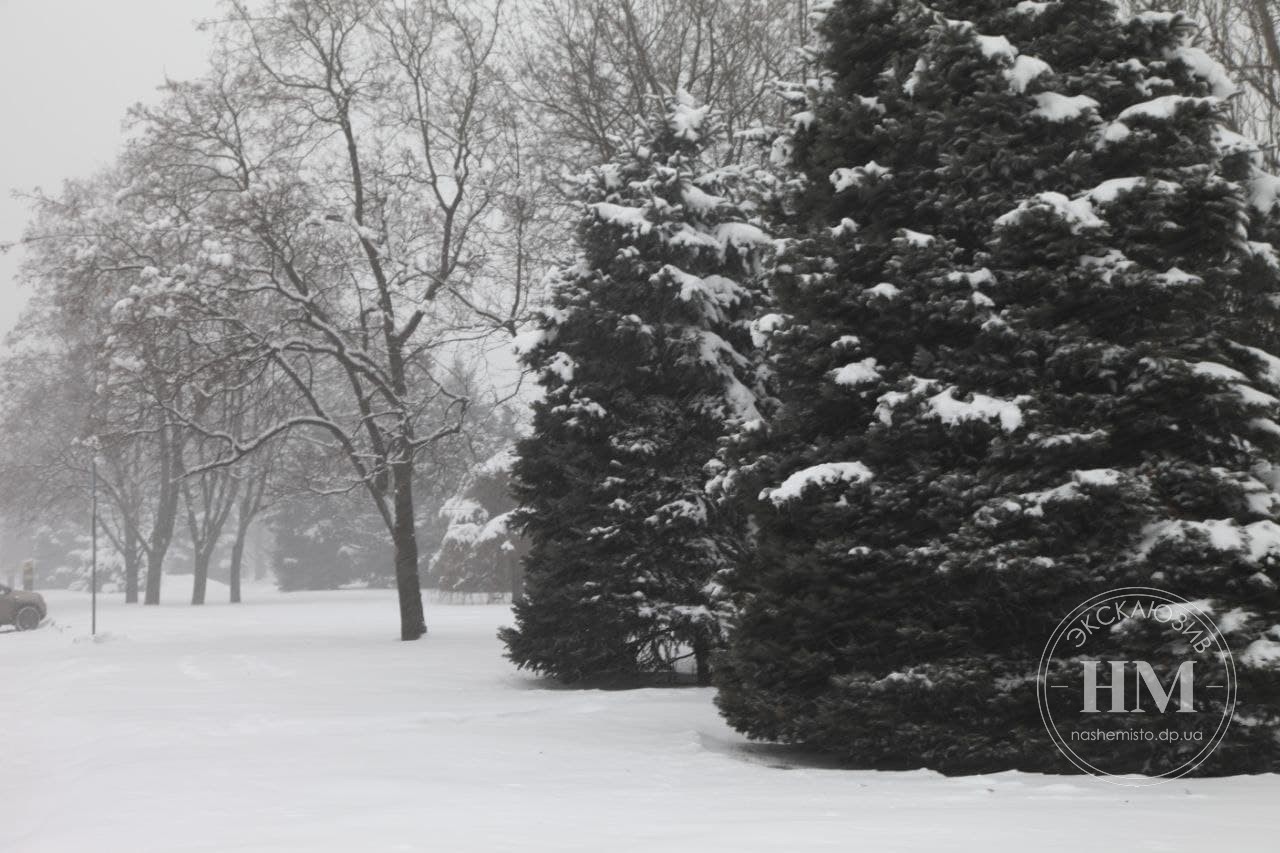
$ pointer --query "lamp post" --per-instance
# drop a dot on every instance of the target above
(94, 446)
(91, 444)
(93, 547)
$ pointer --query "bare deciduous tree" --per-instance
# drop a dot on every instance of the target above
(344, 168)
(595, 68)
(1244, 35)
(85, 252)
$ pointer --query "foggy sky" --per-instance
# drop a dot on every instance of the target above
(69, 69)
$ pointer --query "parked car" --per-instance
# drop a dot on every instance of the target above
(23, 610)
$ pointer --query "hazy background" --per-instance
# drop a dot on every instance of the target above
(69, 69)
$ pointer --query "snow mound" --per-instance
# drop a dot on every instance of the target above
(686, 117)
(1162, 108)
(763, 328)
(996, 47)
(1108, 192)
(1077, 213)
(843, 179)
(1254, 542)
(1033, 7)
(562, 366)
(826, 474)
(859, 373)
(1264, 192)
(1205, 67)
(632, 218)
(1263, 653)
(946, 408)
(1024, 71)
(1058, 108)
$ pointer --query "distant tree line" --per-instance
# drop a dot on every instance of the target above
(301, 277)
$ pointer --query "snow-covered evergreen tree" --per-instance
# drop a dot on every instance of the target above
(645, 356)
(1029, 300)
(481, 551)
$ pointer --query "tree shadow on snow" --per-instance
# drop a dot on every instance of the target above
(665, 681)
(775, 755)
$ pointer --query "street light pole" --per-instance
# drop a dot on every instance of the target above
(93, 446)
(93, 550)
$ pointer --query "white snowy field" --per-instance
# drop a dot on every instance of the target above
(300, 723)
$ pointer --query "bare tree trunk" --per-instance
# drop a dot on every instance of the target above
(237, 557)
(260, 565)
(155, 566)
(132, 566)
(130, 580)
(412, 621)
(200, 579)
(155, 558)
(166, 511)
(702, 659)
(128, 541)
(1267, 29)
(251, 502)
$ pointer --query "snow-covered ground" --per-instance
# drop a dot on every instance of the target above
(300, 723)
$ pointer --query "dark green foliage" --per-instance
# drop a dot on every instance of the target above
(1046, 375)
(644, 356)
